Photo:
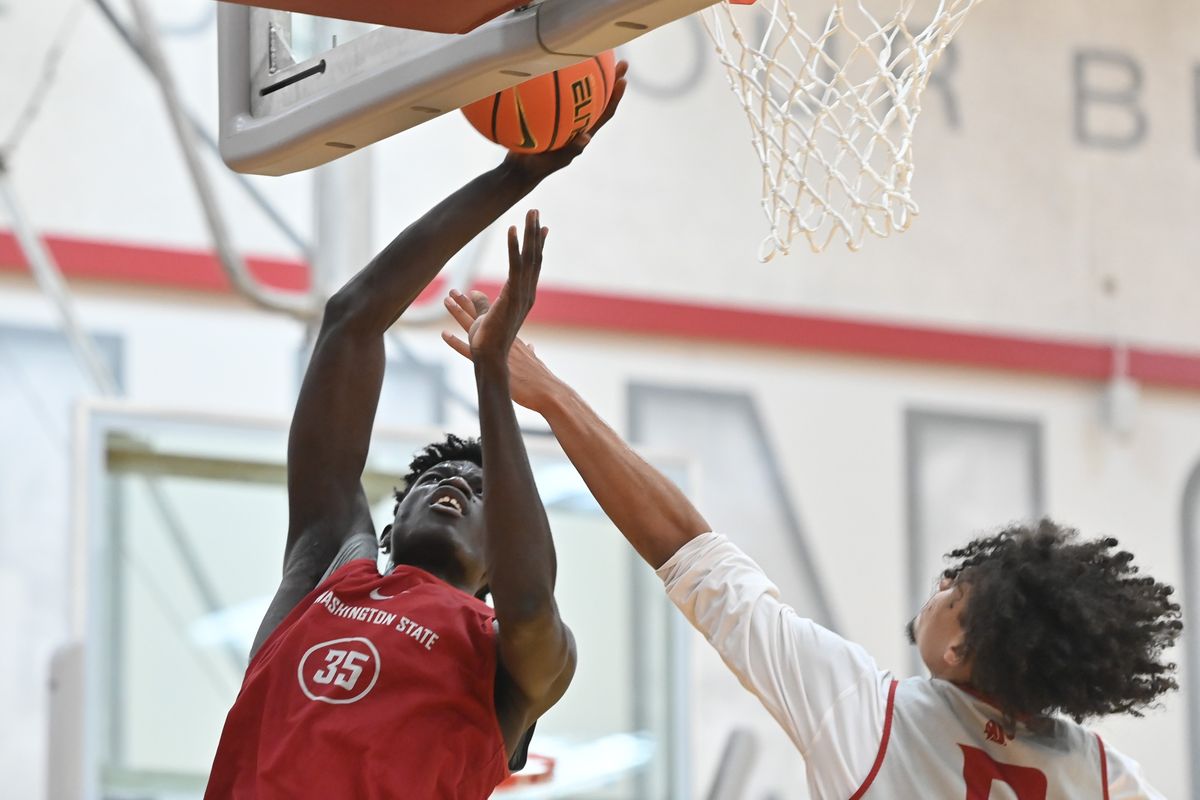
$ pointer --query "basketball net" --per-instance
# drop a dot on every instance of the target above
(833, 110)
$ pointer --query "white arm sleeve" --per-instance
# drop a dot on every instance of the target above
(807, 677)
(1125, 781)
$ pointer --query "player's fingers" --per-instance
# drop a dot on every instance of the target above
(537, 264)
(468, 304)
(614, 100)
(578, 141)
(530, 255)
(531, 234)
(480, 301)
(514, 251)
(457, 344)
(460, 314)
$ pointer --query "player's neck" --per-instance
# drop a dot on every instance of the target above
(452, 574)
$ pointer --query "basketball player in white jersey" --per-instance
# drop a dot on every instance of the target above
(1028, 630)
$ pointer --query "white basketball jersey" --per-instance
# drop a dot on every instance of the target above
(864, 734)
(939, 741)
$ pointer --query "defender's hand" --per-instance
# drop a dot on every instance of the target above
(542, 164)
(531, 382)
(494, 329)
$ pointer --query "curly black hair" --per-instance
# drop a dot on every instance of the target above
(455, 448)
(1059, 624)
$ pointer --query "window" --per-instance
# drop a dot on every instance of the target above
(39, 382)
(744, 489)
(965, 475)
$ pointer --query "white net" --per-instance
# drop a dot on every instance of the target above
(832, 99)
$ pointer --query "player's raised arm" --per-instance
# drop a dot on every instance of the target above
(718, 588)
(335, 412)
(537, 652)
(331, 428)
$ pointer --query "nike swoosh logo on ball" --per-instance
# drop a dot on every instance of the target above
(528, 142)
(375, 595)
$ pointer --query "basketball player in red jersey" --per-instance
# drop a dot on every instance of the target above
(1029, 632)
(407, 685)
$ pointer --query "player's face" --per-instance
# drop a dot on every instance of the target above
(439, 523)
(938, 633)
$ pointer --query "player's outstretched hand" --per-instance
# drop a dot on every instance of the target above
(543, 164)
(531, 382)
(494, 329)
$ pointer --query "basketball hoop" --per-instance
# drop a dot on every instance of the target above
(832, 107)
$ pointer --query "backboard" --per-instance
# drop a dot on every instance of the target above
(283, 110)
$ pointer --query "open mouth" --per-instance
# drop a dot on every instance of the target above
(449, 500)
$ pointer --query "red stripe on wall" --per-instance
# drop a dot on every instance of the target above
(824, 334)
(193, 270)
(1157, 368)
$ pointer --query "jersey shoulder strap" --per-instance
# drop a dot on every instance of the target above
(356, 546)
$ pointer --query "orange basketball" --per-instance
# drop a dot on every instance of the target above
(543, 113)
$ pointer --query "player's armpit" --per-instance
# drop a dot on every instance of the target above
(296, 583)
(310, 561)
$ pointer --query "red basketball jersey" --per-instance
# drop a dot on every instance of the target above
(373, 687)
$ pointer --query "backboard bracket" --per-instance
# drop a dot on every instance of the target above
(280, 116)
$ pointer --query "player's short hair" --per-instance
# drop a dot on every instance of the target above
(454, 448)
(1059, 624)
